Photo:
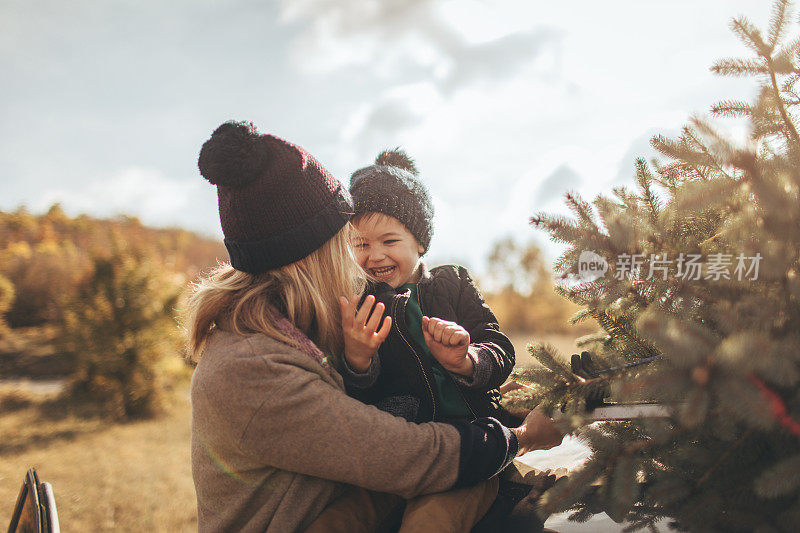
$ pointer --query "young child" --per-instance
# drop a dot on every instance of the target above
(439, 353)
(444, 355)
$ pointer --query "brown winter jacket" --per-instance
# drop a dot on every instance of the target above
(275, 439)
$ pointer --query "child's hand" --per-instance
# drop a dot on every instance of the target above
(448, 342)
(361, 340)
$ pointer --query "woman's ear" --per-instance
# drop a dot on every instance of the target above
(420, 249)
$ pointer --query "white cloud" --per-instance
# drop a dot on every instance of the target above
(142, 192)
(402, 40)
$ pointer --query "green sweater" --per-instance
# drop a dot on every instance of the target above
(452, 402)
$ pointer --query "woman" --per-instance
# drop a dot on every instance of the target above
(274, 437)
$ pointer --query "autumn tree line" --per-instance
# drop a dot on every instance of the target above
(103, 296)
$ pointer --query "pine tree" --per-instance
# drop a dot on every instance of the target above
(6, 299)
(702, 284)
(117, 330)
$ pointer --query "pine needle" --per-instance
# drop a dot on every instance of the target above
(739, 67)
(778, 21)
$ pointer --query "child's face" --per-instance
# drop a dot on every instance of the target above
(386, 250)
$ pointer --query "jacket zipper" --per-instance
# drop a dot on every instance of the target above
(458, 387)
(395, 303)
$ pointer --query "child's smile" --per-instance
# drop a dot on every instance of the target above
(382, 273)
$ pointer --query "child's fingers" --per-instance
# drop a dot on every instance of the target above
(438, 330)
(363, 311)
(426, 334)
(382, 333)
(460, 337)
(455, 335)
(347, 313)
(375, 319)
(447, 335)
(429, 324)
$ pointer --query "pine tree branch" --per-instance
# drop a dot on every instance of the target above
(750, 36)
(791, 79)
(685, 152)
(699, 505)
(779, 102)
(705, 128)
(738, 67)
(710, 239)
(732, 108)
(579, 482)
(618, 329)
(587, 474)
(645, 179)
(560, 228)
(581, 209)
(778, 21)
(705, 477)
(785, 55)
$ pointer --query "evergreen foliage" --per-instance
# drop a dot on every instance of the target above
(118, 330)
(723, 336)
(6, 300)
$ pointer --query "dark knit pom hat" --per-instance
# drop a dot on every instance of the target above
(391, 186)
(277, 204)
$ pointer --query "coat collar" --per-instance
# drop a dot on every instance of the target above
(299, 340)
(380, 287)
(424, 274)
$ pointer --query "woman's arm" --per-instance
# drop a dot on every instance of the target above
(283, 415)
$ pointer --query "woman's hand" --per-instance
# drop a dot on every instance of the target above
(448, 342)
(537, 432)
(512, 385)
(361, 336)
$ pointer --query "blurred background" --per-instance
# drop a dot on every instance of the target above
(104, 219)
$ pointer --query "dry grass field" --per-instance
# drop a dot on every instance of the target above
(129, 477)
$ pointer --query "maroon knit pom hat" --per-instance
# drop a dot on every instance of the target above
(277, 204)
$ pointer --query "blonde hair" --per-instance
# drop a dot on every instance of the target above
(306, 292)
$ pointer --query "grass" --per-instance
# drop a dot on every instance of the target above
(129, 477)
(126, 477)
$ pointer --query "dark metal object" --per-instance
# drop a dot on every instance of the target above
(35, 510)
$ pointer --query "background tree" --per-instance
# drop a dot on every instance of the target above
(520, 291)
(6, 299)
(43, 274)
(119, 329)
(702, 283)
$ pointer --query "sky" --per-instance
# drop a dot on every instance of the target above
(505, 105)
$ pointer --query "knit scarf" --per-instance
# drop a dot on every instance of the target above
(301, 341)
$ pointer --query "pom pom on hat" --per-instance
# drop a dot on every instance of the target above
(233, 156)
(397, 158)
